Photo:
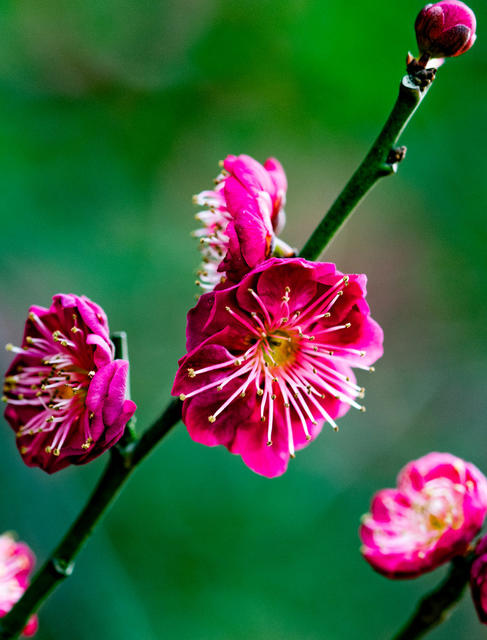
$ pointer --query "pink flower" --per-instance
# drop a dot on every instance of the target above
(65, 393)
(16, 564)
(478, 580)
(245, 210)
(433, 515)
(445, 29)
(270, 360)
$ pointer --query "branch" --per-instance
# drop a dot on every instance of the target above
(435, 607)
(382, 160)
(124, 458)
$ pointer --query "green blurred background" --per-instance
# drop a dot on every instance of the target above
(112, 114)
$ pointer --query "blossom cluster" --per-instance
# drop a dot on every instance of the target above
(273, 342)
(432, 516)
(65, 393)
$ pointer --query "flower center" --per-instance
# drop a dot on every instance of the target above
(281, 349)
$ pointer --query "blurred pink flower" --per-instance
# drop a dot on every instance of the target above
(244, 212)
(65, 393)
(437, 509)
(270, 359)
(478, 580)
(445, 29)
(16, 564)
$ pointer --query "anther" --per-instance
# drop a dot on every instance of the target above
(260, 392)
(56, 452)
(182, 396)
(48, 449)
(4, 399)
(211, 419)
(269, 443)
(191, 372)
(348, 325)
(91, 374)
(371, 369)
(24, 450)
(273, 396)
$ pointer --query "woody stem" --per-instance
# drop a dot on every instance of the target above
(434, 608)
(382, 160)
(124, 458)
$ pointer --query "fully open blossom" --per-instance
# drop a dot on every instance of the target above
(445, 29)
(478, 580)
(244, 212)
(65, 393)
(16, 564)
(437, 509)
(270, 359)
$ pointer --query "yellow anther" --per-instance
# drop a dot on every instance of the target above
(211, 419)
(182, 396)
(191, 372)
(56, 452)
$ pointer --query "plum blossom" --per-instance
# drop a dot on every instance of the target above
(478, 580)
(243, 213)
(436, 510)
(445, 29)
(65, 393)
(270, 360)
(16, 564)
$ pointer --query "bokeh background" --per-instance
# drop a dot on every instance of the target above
(112, 114)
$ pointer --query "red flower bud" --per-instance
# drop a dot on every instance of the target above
(445, 29)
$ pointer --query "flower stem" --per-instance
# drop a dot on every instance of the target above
(123, 460)
(434, 608)
(382, 160)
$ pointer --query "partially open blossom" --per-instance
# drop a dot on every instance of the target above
(437, 509)
(65, 393)
(445, 29)
(478, 580)
(16, 564)
(244, 212)
(270, 359)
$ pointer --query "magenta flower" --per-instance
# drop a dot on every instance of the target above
(437, 509)
(445, 29)
(16, 564)
(478, 580)
(270, 360)
(65, 393)
(245, 210)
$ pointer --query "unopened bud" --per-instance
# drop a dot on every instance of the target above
(445, 29)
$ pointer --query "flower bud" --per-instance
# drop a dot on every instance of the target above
(445, 29)
(478, 580)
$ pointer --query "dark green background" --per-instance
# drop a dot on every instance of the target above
(112, 114)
